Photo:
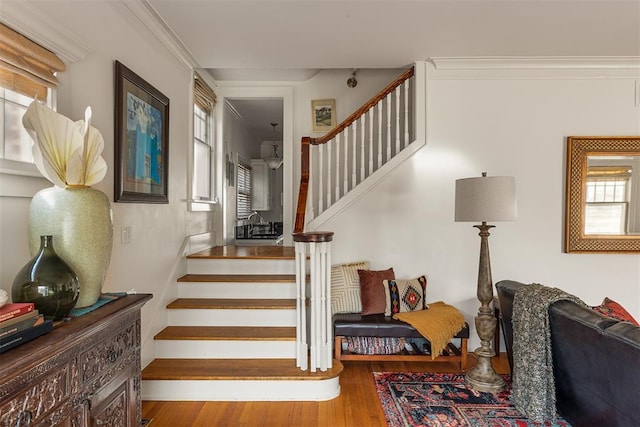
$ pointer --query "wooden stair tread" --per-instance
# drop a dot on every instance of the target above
(228, 333)
(245, 252)
(217, 303)
(239, 278)
(233, 369)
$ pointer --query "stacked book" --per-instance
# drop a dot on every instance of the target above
(20, 322)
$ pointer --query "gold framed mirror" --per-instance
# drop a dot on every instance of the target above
(602, 201)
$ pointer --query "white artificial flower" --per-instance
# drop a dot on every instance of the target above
(65, 152)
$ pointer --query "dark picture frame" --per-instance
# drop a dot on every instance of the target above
(141, 140)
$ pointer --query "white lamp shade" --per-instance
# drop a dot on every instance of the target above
(486, 198)
(273, 162)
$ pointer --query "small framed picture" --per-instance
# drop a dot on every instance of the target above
(323, 114)
(141, 140)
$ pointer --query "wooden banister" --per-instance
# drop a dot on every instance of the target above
(308, 141)
(364, 108)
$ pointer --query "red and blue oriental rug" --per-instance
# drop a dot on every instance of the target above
(442, 400)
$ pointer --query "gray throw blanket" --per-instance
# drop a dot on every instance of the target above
(533, 389)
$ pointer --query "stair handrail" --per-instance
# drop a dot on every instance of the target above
(307, 141)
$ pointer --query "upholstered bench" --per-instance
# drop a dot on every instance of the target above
(379, 325)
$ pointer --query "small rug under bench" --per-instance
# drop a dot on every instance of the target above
(431, 399)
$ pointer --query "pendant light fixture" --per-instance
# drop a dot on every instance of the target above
(275, 161)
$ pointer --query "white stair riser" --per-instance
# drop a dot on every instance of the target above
(236, 290)
(240, 266)
(231, 317)
(215, 349)
(240, 390)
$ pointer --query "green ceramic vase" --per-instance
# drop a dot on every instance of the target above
(81, 223)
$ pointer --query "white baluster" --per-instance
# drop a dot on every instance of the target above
(371, 111)
(388, 127)
(310, 202)
(325, 322)
(379, 134)
(315, 319)
(354, 167)
(329, 143)
(337, 168)
(320, 178)
(406, 112)
(301, 313)
(345, 176)
(327, 281)
(397, 120)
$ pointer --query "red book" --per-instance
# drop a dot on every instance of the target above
(9, 311)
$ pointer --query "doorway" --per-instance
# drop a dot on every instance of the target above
(252, 121)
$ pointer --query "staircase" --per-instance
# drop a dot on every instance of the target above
(231, 333)
(341, 166)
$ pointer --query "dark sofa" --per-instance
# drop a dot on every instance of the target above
(596, 362)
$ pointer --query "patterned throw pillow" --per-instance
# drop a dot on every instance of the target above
(345, 287)
(612, 309)
(405, 295)
(372, 293)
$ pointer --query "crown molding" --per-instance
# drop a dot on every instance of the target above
(37, 26)
(141, 12)
(536, 63)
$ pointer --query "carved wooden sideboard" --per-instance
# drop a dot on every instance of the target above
(86, 372)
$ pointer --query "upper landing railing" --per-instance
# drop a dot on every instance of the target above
(333, 164)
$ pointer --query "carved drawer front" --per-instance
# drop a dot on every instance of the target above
(33, 404)
(113, 412)
(111, 351)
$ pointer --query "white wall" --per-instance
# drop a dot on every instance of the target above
(154, 259)
(505, 124)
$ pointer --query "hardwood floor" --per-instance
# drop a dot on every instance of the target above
(357, 405)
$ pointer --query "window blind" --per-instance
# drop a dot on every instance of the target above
(244, 191)
(25, 66)
(204, 96)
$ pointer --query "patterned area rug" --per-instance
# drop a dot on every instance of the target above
(426, 399)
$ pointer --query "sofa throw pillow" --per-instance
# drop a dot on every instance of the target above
(345, 287)
(372, 294)
(405, 295)
(611, 308)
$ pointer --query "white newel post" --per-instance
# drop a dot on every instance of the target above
(315, 246)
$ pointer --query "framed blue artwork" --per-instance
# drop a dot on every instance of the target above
(141, 140)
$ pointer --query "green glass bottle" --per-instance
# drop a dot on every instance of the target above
(48, 282)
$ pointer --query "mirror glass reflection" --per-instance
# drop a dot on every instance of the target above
(611, 196)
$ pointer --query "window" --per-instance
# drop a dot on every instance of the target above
(15, 142)
(202, 154)
(27, 72)
(607, 200)
(203, 143)
(244, 191)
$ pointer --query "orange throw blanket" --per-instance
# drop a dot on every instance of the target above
(438, 324)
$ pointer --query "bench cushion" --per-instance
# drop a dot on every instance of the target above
(378, 325)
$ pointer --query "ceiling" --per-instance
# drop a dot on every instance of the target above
(291, 40)
(259, 114)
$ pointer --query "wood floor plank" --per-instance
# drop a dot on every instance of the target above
(228, 333)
